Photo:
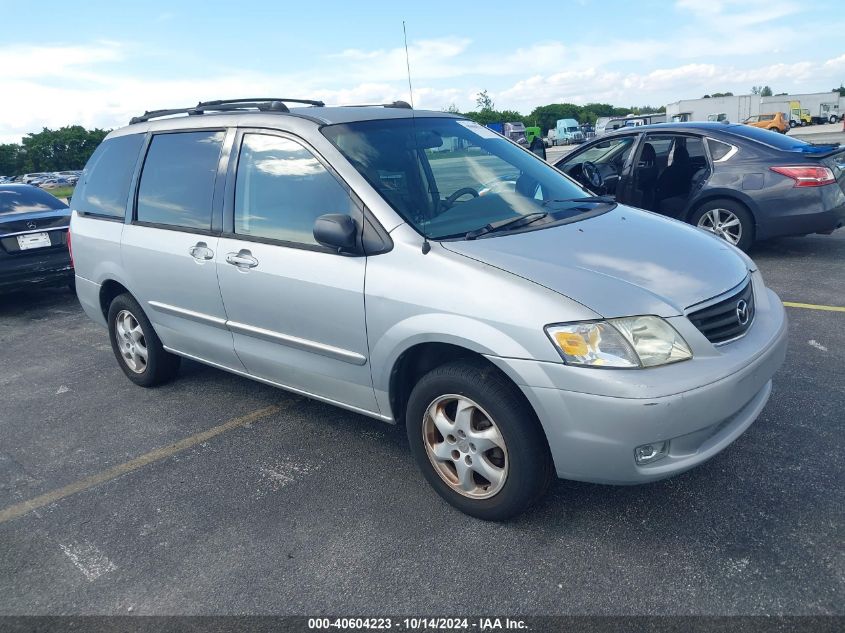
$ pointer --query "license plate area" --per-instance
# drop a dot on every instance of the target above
(33, 240)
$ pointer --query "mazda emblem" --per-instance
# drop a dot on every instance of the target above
(31, 225)
(742, 312)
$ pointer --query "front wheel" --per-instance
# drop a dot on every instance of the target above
(728, 219)
(136, 346)
(477, 441)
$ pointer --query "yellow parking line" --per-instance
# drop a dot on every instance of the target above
(25, 507)
(813, 306)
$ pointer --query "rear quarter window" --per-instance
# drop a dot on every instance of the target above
(103, 188)
(718, 150)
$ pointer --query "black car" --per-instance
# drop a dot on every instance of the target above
(743, 183)
(33, 239)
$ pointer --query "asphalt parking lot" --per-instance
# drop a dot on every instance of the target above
(289, 506)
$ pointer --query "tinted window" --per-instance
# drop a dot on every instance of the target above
(103, 188)
(177, 184)
(281, 189)
(718, 150)
(22, 199)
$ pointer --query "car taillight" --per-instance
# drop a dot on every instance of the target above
(69, 247)
(807, 176)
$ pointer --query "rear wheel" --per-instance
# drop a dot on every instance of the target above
(136, 346)
(477, 441)
(728, 219)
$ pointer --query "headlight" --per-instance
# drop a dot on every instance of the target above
(641, 341)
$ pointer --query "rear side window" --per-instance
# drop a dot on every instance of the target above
(103, 188)
(177, 183)
(281, 189)
(23, 199)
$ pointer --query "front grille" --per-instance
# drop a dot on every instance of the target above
(723, 321)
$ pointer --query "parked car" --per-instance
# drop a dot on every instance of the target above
(518, 326)
(742, 183)
(775, 121)
(33, 239)
(52, 183)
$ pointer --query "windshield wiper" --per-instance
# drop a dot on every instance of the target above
(594, 199)
(510, 223)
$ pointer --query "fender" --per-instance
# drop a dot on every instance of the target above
(461, 331)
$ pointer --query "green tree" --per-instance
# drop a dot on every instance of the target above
(69, 147)
(840, 90)
(484, 101)
(766, 91)
(11, 159)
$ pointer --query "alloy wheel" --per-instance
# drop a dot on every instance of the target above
(465, 446)
(723, 223)
(131, 341)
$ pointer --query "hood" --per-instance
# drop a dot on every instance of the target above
(622, 263)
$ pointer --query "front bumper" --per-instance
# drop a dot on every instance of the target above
(592, 436)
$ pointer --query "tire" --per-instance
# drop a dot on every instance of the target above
(523, 461)
(159, 366)
(726, 206)
(832, 118)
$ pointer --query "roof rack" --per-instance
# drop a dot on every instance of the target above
(396, 104)
(266, 104)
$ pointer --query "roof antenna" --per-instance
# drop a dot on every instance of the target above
(426, 247)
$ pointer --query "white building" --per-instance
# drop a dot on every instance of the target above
(737, 108)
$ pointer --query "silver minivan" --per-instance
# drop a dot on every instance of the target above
(421, 269)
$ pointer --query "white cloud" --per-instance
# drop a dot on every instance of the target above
(31, 61)
(92, 84)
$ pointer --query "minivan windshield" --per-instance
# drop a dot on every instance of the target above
(451, 177)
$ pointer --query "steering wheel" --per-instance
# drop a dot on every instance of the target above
(593, 174)
(465, 191)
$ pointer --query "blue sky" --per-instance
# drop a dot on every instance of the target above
(98, 63)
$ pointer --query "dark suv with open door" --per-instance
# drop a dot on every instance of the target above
(742, 183)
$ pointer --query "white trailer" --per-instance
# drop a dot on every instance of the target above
(824, 107)
(733, 109)
(738, 108)
(610, 123)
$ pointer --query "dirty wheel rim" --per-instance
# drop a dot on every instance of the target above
(723, 223)
(465, 446)
(131, 342)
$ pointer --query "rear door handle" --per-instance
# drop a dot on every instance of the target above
(242, 259)
(200, 251)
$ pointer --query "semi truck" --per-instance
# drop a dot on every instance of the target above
(566, 132)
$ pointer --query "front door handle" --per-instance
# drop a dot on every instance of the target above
(200, 251)
(242, 259)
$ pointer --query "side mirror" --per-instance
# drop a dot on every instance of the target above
(337, 231)
(538, 147)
